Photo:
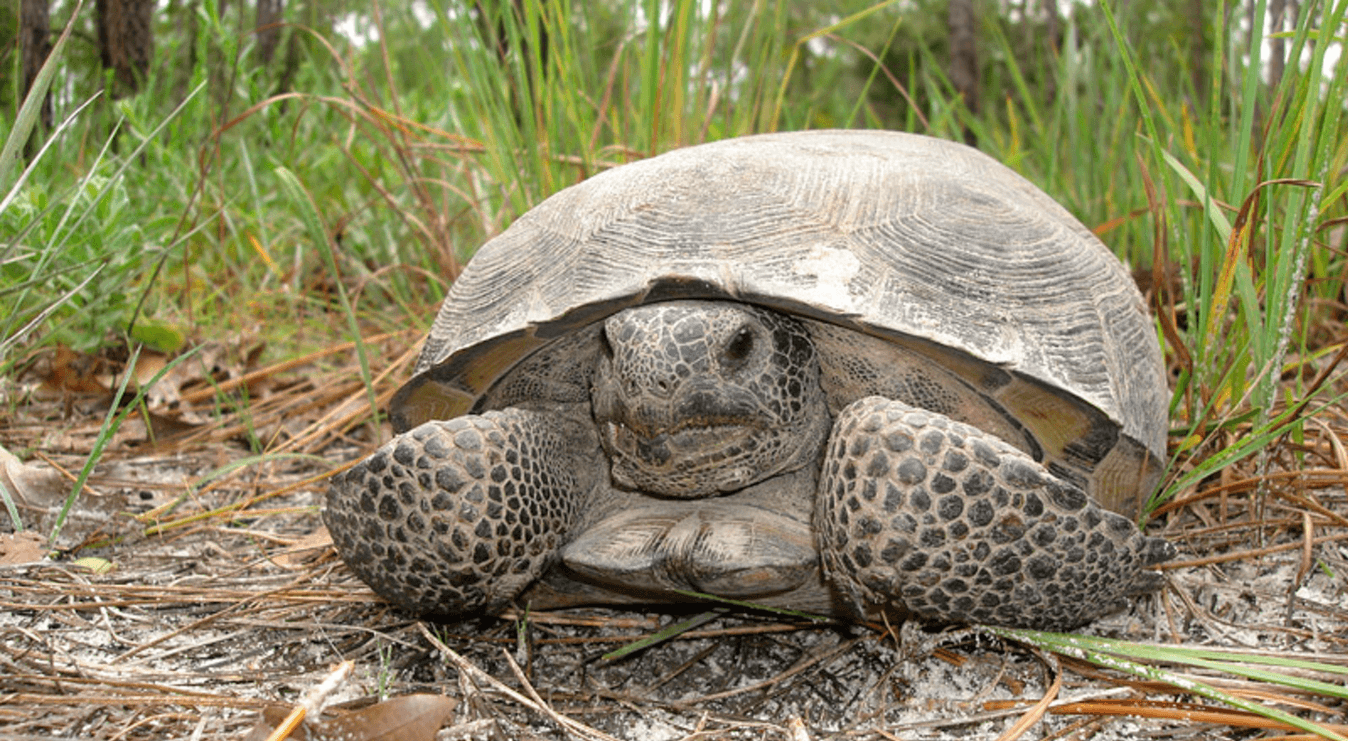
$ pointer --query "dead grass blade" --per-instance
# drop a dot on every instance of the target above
(480, 678)
(1128, 658)
(1188, 712)
(1036, 712)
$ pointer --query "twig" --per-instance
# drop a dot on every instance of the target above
(312, 702)
(477, 674)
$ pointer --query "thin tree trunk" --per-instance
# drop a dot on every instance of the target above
(1198, 50)
(35, 45)
(964, 57)
(1277, 56)
(183, 15)
(1053, 37)
(126, 41)
(1052, 24)
(290, 66)
(268, 33)
(491, 18)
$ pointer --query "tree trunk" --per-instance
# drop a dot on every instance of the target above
(964, 57)
(268, 31)
(290, 66)
(35, 43)
(1198, 50)
(1277, 13)
(1052, 24)
(126, 41)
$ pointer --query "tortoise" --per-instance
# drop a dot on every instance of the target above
(841, 371)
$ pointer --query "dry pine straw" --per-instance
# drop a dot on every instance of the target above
(226, 598)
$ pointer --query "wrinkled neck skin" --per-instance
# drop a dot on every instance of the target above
(699, 398)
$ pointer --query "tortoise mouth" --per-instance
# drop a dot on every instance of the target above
(686, 436)
(688, 460)
(684, 442)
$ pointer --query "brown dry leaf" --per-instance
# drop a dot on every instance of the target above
(206, 366)
(406, 718)
(74, 372)
(21, 548)
(303, 551)
(148, 365)
(30, 485)
(165, 428)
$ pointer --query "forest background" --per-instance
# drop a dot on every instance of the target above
(219, 166)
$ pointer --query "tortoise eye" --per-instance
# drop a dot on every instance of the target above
(739, 346)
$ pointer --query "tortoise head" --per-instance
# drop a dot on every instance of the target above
(696, 398)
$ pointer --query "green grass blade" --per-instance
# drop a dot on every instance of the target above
(1102, 652)
(32, 105)
(318, 234)
(112, 421)
(754, 606)
(673, 630)
(16, 188)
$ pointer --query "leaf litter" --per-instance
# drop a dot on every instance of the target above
(224, 603)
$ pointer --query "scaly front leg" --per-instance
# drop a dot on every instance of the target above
(920, 510)
(459, 516)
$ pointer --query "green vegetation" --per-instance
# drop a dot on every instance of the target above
(1164, 664)
(231, 194)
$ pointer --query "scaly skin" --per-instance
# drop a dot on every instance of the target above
(718, 405)
(458, 517)
(920, 510)
(699, 398)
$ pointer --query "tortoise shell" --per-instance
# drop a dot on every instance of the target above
(906, 244)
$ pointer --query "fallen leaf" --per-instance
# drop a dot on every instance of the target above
(94, 564)
(406, 718)
(31, 485)
(299, 553)
(21, 548)
(75, 372)
(164, 428)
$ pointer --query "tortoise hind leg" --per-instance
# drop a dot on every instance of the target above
(956, 525)
(459, 516)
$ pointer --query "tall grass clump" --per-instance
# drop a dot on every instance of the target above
(1224, 192)
(228, 185)
(1243, 207)
(28, 269)
(554, 91)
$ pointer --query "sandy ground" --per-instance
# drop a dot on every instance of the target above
(225, 597)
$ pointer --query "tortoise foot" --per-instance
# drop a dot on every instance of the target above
(459, 516)
(956, 525)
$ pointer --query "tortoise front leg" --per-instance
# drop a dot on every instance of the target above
(954, 524)
(459, 516)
